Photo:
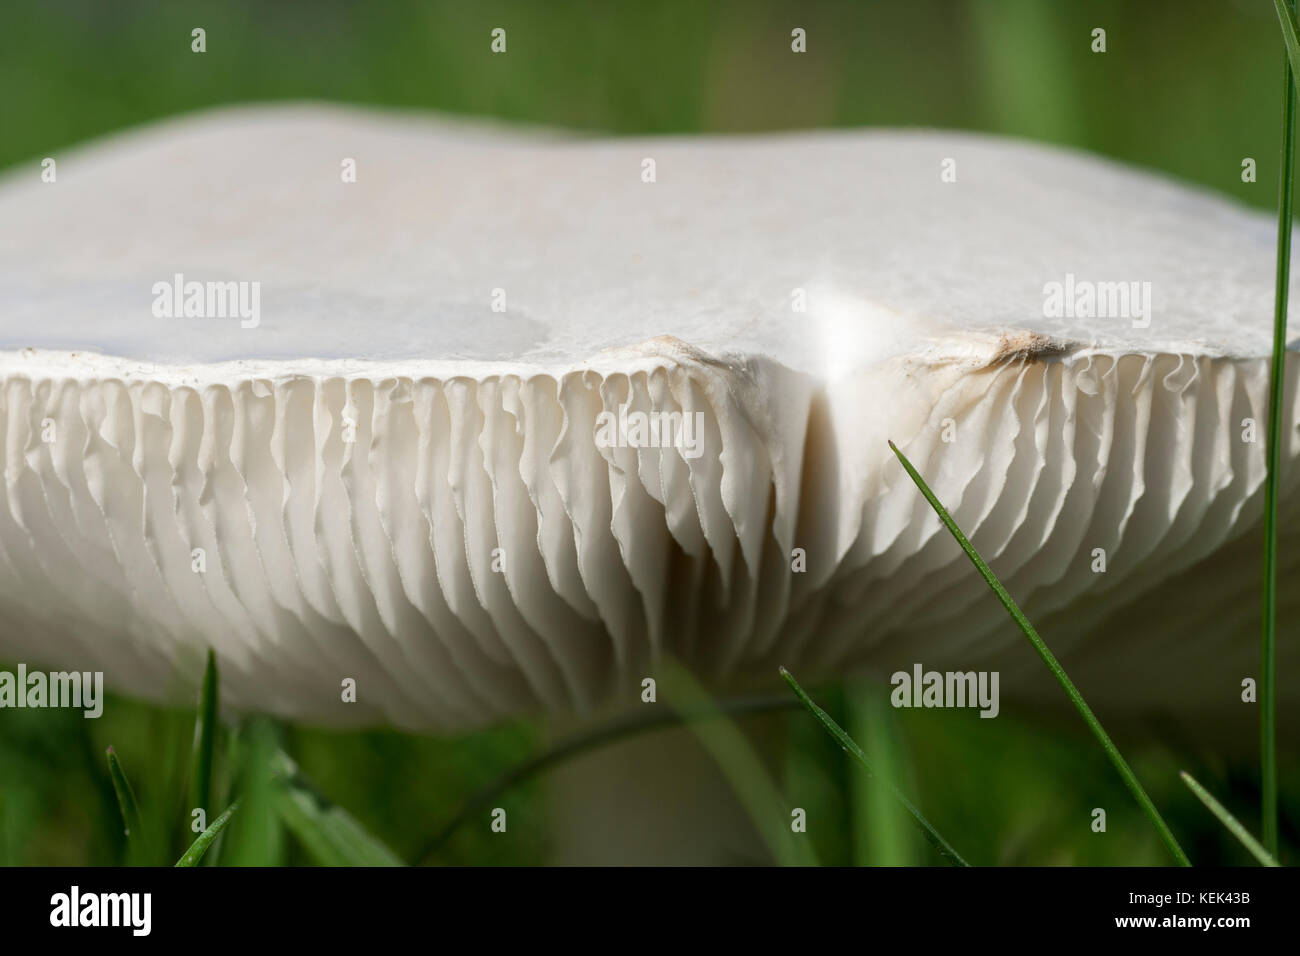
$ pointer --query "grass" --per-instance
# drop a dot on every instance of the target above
(1112, 752)
(268, 781)
(137, 851)
(1268, 652)
(205, 736)
(883, 831)
(194, 854)
(331, 835)
(1228, 820)
(835, 730)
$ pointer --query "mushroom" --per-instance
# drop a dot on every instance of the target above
(489, 421)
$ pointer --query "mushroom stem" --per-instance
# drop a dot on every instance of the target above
(659, 799)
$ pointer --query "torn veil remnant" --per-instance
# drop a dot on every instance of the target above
(396, 475)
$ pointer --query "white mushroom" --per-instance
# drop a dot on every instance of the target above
(378, 476)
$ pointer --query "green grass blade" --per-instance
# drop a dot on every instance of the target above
(205, 736)
(1290, 33)
(200, 846)
(848, 743)
(329, 833)
(256, 836)
(136, 851)
(1268, 641)
(1116, 758)
(881, 827)
(1228, 820)
(739, 763)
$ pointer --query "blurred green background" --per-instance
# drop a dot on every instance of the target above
(1187, 86)
(1190, 87)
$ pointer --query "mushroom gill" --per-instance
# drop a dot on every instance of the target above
(501, 422)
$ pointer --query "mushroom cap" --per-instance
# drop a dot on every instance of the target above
(388, 480)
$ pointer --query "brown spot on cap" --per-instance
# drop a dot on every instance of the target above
(1025, 346)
